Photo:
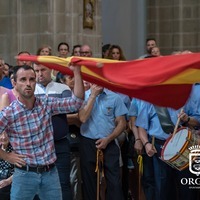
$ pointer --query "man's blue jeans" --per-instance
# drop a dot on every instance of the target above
(26, 184)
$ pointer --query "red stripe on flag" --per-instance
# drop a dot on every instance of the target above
(140, 78)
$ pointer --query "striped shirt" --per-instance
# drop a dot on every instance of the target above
(30, 131)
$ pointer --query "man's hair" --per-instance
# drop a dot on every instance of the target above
(74, 47)
(17, 68)
(22, 52)
(105, 47)
(148, 39)
(59, 77)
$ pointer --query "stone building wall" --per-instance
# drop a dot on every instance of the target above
(175, 24)
(28, 24)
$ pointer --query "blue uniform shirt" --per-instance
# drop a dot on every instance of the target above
(135, 107)
(192, 107)
(107, 107)
(148, 119)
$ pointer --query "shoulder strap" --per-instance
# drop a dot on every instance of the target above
(164, 118)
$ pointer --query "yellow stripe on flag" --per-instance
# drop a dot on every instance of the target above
(188, 76)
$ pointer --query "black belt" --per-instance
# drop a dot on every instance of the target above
(38, 169)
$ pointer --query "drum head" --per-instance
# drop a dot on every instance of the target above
(173, 146)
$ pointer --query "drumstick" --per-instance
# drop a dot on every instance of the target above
(176, 127)
(153, 143)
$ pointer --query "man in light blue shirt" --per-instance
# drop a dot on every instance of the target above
(103, 119)
(158, 177)
(192, 107)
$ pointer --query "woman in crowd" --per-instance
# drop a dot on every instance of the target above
(76, 50)
(116, 53)
(44, 50)
(63, 50)
(6, 169)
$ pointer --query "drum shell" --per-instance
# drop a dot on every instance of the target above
(180, 159)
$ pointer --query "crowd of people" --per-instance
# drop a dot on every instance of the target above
(67, 139)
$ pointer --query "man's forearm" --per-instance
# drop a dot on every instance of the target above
(85, 113)
(120, 127)
(78, 85)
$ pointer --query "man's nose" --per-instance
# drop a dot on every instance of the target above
(28, 83)
(40, 73)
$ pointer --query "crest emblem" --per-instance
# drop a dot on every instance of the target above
(194, 160)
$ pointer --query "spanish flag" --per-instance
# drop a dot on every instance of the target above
(164, 81)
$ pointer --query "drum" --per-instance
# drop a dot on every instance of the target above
(175, 151)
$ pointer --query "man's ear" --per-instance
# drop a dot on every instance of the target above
(13, 82)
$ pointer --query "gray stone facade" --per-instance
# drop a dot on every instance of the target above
(29, 24)
(175, 24)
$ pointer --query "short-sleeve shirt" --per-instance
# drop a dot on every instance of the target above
(148, 119)
(135, 107)
(192, 107)
(107, 107)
